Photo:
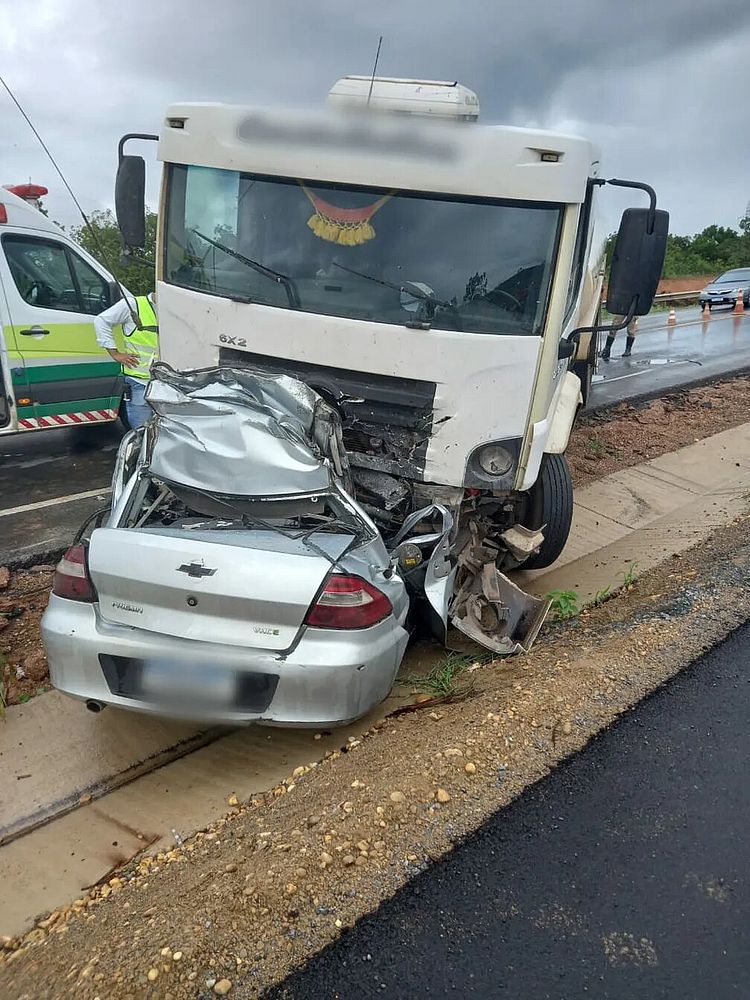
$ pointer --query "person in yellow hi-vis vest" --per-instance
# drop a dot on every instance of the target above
(141, 349)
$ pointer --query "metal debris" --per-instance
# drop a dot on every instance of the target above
(488, 607)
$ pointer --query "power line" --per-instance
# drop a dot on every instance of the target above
(92, 231)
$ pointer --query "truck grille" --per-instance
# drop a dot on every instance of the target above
(387, 421)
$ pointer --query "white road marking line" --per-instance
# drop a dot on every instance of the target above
(641, 371)
(57, 500)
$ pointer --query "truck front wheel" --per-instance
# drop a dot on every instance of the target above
(550, 508)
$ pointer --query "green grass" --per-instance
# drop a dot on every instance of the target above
(444, 680)
(596, 448)
(601, 596)
(564, 604)
(629, 576)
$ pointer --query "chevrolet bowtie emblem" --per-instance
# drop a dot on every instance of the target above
(196, 570)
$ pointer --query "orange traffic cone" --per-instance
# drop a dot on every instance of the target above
(706, 314)
(672, 318)
(739, 306)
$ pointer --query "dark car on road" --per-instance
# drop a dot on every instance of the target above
(723, 291)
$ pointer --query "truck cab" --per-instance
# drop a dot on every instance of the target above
(52, 372)
(433, 278)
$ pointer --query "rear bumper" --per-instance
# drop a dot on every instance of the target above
(331, 677)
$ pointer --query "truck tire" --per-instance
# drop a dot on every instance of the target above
(551, 506)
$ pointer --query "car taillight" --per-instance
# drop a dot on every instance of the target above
(72, 579)
(348, 602)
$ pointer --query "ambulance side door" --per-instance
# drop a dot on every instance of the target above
(53, 294)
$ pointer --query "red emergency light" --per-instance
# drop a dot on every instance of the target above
(29, 192)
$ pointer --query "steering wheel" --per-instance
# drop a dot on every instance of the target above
(517, 306)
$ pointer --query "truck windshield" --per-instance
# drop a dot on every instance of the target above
(441, 262)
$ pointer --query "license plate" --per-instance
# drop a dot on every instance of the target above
(181, 683)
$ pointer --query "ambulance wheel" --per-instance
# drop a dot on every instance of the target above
(551, 508)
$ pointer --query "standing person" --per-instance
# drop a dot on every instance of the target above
(632, 329)
(142, 347)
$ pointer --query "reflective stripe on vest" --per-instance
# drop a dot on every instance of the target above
(144, 342)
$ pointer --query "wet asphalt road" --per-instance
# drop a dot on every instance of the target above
(49, 465)
(44, 466)
(622, 875)
(667, 357)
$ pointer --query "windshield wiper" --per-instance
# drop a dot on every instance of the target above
(277, 276)
(414, 290)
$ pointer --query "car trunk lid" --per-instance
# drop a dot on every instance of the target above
(242, 588)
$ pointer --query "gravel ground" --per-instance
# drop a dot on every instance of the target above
(238, 906)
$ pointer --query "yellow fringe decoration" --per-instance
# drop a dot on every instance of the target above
(346, 234)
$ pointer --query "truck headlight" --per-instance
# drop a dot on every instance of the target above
(495, 460)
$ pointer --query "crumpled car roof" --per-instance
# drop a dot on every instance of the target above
(240, 432)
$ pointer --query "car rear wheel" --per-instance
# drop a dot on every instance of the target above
(550, 508)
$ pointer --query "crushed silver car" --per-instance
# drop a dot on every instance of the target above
(237, 578)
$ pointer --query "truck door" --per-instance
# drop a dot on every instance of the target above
(52, 295)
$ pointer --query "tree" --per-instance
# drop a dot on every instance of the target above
(476, 287)
(136, 276)
(715, 249)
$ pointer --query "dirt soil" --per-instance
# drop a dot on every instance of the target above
(601, 443)
(235, 908)
(689, 284)
(629, 434)
(23, 665)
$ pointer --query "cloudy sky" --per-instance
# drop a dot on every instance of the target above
(661, 85)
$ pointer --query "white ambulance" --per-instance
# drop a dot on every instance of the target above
(52, 372)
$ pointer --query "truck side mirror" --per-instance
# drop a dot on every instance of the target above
(637, 261)
(130, 200)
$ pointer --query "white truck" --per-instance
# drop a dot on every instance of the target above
(431, 277)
